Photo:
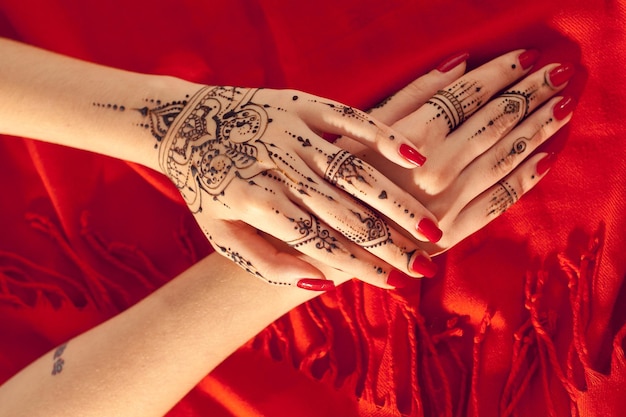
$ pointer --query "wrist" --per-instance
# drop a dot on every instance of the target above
(151, 108)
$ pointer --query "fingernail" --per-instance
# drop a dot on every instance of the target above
(429, 229)
(314, 284)
(528, 58)
(423, 265)
(330, 137)
(561, 74)
(412, 155)
(398, 279)
(452, 62)
(546, 163)
(563, 108)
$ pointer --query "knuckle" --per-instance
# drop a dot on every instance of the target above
(504, 162)
(503, 116)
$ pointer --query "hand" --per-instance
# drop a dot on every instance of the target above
(249, 160)
(480, 152)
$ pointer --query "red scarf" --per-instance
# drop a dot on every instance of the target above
(526, 317)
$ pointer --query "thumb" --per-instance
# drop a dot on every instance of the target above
(243, 245)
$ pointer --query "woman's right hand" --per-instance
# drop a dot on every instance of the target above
(250, 160)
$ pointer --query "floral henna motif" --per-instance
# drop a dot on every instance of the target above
(214, 140)
(366, 229)
(217, 138)
(311, 231)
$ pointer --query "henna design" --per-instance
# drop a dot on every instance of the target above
(457, 103)
(109, 106)
(518, 102)
(502, 198)
(343, 166)
(367, 230)
(215, 138)
(311, 231)
(519, 147)
(238, 259)
(347, 111)
(215, 141)
(513, 107)
(161, 117)
(59, 362)
(381, 104)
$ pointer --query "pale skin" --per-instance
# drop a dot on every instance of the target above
(245, 160)
(150, 356)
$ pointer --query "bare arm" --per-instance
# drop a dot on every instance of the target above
(244, 160)
(58, 99)
(143, 361)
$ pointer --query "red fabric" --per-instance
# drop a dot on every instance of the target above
(526, 317)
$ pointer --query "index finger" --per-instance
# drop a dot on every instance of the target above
(359, 179)
(452, 105)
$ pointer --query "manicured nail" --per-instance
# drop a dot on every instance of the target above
(423, 265)
(314, 284)
(563, 108)
(452, 62)
(398, 279)
(412, 155)
(561, 74)
(528, 58)
(330, 137)
(429, 229)
(546, 163)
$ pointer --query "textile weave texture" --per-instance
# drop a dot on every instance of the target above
(525, 318)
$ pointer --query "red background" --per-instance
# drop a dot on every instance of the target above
(82, 237)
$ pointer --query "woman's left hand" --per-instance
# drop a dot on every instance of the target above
(480, 150)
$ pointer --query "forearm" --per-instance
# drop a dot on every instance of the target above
(62, 100)
(143, 361)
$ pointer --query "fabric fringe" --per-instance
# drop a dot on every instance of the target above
(373, 360)
(370, 359)
(535, 353)
(23, 282)
(376, 344)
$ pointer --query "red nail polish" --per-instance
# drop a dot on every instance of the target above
(330, 137)
(314, 284)
(528, 58)
(423, 265)
(563, 108)
(561, 74)
(428, 228)
(398, 279)
(545, 163)
(412, 155)
(452, 62)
